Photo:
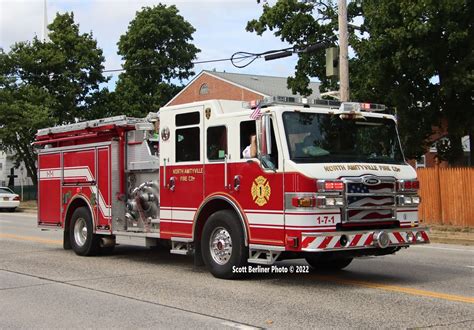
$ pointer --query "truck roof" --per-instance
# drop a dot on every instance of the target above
(231, 107)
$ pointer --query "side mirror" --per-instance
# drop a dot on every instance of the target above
(264, 136)
(264, 141)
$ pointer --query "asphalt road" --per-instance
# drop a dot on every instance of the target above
(44, 286)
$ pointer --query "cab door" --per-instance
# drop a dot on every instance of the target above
(217, 158)
(182, 173)
(260, 190)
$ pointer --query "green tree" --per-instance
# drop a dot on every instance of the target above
(419, 58)
(157, 50)
(301, 24)
(23, 110)
(415, 56)
(48, 83)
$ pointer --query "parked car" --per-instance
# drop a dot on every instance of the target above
(8, 199)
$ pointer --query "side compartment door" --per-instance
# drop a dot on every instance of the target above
(79, 177)
(104, 188)
(49, 189)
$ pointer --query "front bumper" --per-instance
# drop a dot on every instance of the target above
(363, 239)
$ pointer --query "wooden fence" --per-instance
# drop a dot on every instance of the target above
(447, 196)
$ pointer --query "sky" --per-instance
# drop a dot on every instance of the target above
(220, 29)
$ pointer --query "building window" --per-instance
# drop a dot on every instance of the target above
(187, 144)
(216, 142)
(204, 89)
(1, 166)
(421, 162)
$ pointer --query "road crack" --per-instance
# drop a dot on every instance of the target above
(441, 325)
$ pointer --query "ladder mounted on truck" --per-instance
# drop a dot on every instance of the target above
(96, 123)
(87, 129)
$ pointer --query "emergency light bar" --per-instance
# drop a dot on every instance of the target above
(290, 100)
(345, 107)
(358, 107)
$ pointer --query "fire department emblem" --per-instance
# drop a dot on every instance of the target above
(165, 134)
(261, 191)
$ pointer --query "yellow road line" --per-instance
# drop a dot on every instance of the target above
(32, 239)
(400, 289)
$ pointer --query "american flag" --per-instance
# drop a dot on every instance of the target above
(257, 113)
(366, 201)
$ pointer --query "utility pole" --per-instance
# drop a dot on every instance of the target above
(44, 33)
(343, 52)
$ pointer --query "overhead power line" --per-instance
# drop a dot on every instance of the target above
(236, 59)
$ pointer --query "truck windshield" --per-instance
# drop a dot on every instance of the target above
(323, 138)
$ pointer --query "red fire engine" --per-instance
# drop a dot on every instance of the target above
(328, 183)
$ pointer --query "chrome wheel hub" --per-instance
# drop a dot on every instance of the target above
(220, 245)
(80, 232)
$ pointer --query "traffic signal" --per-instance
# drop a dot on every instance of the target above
(332, 62)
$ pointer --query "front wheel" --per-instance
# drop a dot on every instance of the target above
(83, 240)
(222, 245)
(325, 264)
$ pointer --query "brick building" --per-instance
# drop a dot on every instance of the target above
(209, 85)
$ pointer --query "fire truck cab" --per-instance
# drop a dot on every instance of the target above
(328, 183)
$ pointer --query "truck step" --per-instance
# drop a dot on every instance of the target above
(183, 246)
(262, 255)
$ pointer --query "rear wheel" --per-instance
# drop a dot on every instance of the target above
(222, 244)
(83, 240)
(13, 209)
(318, 262)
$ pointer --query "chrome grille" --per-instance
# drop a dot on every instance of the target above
(369, 198)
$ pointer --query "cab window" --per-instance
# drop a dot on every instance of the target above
(247, 129)
(187, 144)
(216, 143)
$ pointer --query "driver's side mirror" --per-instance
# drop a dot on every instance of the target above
(264, 141)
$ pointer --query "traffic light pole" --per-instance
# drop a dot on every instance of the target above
(343, 52)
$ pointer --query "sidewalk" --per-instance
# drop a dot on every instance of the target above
(451, 235)
(28, 207)
(438, 233)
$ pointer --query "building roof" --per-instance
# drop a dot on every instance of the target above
(267, 85)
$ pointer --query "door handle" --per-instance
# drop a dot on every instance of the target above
(172, 184)
(237, 182)
(226, 171)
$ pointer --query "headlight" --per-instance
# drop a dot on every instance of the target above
(408, 200)
(329, 202)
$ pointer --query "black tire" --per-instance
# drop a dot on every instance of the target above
(224, 224)
(318, 262)
(13, 209)
(83, 240)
